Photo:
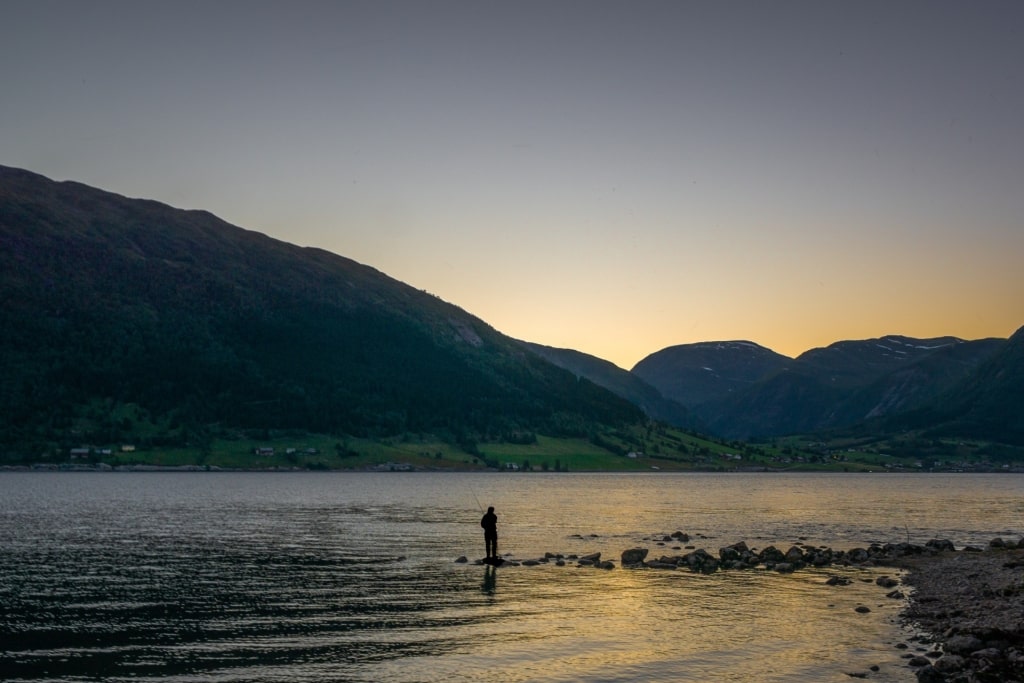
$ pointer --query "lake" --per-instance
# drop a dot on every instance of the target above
(352, 576)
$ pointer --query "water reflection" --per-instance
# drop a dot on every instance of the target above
(490, 583)
(296, 578)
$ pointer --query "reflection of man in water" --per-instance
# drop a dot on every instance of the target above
(490, 580)
(490, 524)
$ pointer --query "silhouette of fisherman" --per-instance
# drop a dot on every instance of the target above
(490, 524)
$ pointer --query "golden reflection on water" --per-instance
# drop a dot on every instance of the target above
(550, 623)
(339, 577)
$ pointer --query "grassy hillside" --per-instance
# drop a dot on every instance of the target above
(634, 450)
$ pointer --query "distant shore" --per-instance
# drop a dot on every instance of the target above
(406, 467)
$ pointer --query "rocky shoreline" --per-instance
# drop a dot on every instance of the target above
(966, 606)
(970, 603)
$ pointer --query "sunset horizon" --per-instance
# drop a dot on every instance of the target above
(606, 177)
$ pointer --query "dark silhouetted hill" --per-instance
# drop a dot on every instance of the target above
(620, 382)
(202, 327)
(695, 374)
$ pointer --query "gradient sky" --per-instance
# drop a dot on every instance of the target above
(613, 177)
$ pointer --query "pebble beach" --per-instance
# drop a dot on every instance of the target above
(968, 607)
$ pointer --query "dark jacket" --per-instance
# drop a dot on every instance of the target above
(490, 524)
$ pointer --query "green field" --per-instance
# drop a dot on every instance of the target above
(639, 449)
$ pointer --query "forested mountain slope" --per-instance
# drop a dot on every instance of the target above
(200, 326)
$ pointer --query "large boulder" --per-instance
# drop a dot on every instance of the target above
(728, 554)
(858, 555)
(795, 555)
(633, 557)
(963, 644)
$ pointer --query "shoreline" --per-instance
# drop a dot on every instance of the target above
(969, 606)
(405, 468)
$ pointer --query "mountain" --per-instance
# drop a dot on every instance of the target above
(849, 382)
(694, 374)
(988, 403)
(619, 381)
(746, 391)
(124, 318)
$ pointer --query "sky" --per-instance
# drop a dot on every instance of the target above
(611, 177)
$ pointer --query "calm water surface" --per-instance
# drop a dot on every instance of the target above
(351, 577)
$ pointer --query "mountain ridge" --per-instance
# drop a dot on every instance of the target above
(840, 385)
(198, 325)
(198, 322)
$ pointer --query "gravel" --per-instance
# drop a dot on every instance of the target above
(971, 604)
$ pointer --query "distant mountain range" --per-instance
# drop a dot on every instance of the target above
(127, 319)
(748, 391)
(740, 390)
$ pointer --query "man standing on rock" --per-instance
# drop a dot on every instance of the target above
(490, 524)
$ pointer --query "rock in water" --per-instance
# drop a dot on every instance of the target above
(633, 556)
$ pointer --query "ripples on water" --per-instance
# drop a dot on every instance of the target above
(350, 577)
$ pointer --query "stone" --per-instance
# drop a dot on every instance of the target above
(795, 555)
(701, 561)
(819, 558)
(633, 556)
(709, 566)
(940, 545)
(963, 644)
(928, 674)
(462, 559)
(988, 654)
(728, 554)
(858, 556)
(592, 557)
(947, 664)
(862, 609)
(887, 582)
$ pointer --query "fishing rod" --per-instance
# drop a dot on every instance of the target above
(477, 500)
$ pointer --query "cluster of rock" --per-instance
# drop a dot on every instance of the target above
(741, 556)
(972, 657)
(972, 603)
(557, 559)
